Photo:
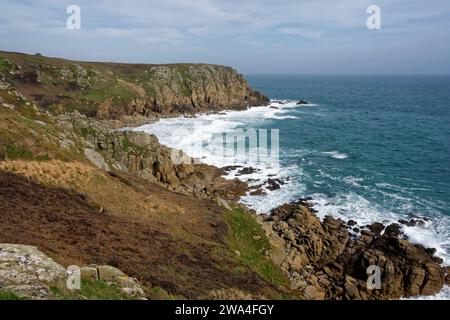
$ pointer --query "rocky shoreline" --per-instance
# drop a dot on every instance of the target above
(326, 260)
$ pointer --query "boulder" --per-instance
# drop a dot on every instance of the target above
(274, 184)
(89, 273)
(109, 274)
(376, 228)
(351, 289)
(28, 272)
(258, 192)
(352, 223)
(246, 170)
(126, 284)
(447, 275)
(96, 159)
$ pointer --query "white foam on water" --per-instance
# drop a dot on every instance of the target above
(290, 191)
(350, 206)
(426, 236)
(444, 294)
(284, 103)
(336, 154)
(281, 117)
(354, 181)
(179, 132)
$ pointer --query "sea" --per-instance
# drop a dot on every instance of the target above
(366, 148)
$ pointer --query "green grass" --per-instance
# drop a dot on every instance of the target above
(252, 252)
(85, 132)
(6, 295)
(157, 293)
(13, 152)
(131, 147)
(183, 70)
(151, 92)
(87, 101)
(85, 107)
(92, 290)
(144, 79)
(112, 90)
(4, 65)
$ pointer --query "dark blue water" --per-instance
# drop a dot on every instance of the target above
(376, 147)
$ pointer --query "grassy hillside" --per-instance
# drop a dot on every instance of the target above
(91, 217)
(113, 90)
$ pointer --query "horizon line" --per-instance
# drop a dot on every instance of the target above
(342, 74)
(120, 61)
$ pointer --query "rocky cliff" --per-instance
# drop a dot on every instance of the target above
(143, 156)
(115, 91)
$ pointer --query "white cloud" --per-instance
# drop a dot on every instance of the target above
(238, 32)
(150, 35)
(200, 31)
(219, 18)
(302, 32)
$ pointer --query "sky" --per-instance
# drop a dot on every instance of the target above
(253, 36)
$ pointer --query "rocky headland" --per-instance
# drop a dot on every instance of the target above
(130, 93)
(75, 190)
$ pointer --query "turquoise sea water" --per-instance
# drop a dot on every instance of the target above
(394, 130)
(388, 138)
(368, 148)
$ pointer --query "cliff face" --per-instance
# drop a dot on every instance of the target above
(143, 156)
(112, 91)
(190, 87)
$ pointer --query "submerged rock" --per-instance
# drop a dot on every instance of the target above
(302, 102)
(247, 170)
(412, 222)
(274, 184)
(258, 192)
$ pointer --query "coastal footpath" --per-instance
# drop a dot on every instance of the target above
(76, 191)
